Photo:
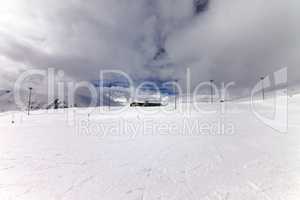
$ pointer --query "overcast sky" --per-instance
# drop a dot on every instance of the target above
(232, 40)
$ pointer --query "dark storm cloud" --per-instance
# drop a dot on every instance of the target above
(231, 40)
(240, 41)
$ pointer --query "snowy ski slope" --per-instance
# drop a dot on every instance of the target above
(140, 156)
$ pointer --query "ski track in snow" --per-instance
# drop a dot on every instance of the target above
(42, 157)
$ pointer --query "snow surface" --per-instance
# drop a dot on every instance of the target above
(51, 156)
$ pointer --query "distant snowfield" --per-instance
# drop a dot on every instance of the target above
(137, 156)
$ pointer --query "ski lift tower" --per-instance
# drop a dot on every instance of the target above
(29, 100)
